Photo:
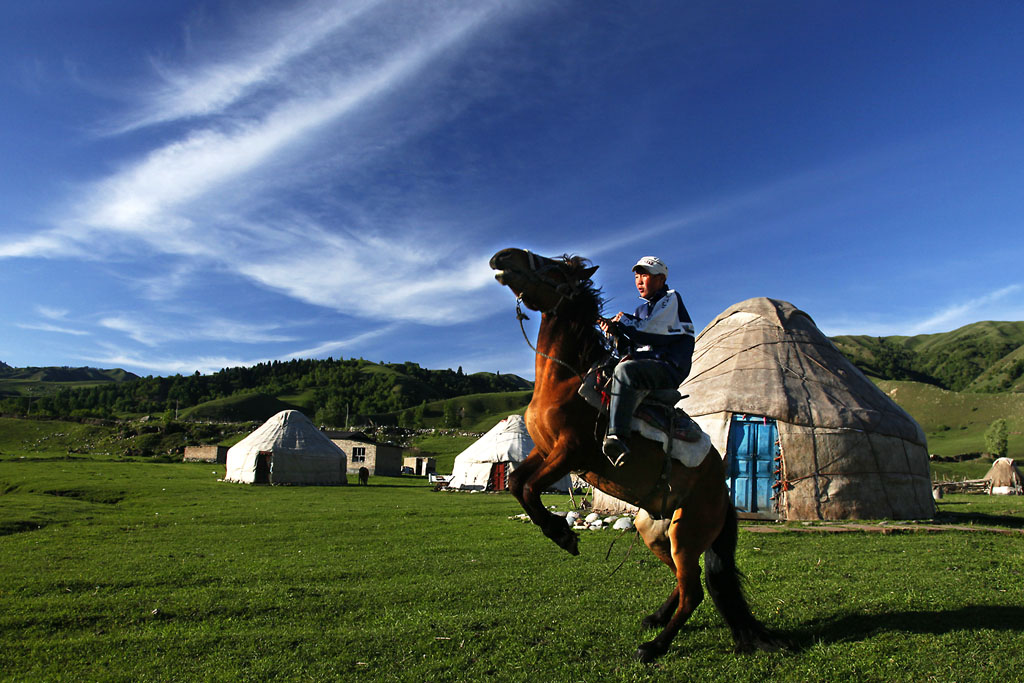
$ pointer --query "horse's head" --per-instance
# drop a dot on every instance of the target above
(543, 284)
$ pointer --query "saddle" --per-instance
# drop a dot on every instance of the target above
(656, 417)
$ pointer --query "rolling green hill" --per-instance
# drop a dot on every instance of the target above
(328, 391)
(34, 382)
(955, 422)
(984, 357)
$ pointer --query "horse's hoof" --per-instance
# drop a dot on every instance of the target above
(563, 536)
(653, 621)
(648, 652)
(570, 543)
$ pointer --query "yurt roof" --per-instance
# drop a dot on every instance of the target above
(289, 431)
(1004, 472)
(507, 441)
(767, 357)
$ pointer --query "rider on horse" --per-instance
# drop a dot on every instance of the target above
(658, 340)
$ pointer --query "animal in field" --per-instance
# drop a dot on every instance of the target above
(685, 511)
(364, 476)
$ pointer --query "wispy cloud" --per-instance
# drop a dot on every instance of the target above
(329, 347)
(48, 327)
(999, 304)
(168, 366)
(979, 308)
(211, 88)
(193, 197)
(216, 329)
(52, 313)
(205, 364)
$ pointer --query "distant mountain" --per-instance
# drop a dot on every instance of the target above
(64, 374)
(983, 357)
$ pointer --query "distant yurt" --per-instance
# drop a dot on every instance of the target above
(488, 461)
(806, 434)
(287, 449)
(1005, 478)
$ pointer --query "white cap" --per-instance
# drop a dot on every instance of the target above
(652, 265)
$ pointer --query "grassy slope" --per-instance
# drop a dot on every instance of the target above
(131, 572)
(238, 408)
(987, 351)
(955, 422)
(41, 439)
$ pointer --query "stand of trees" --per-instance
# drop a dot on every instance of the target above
(354, 386)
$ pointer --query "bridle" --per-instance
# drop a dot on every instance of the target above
(566, 292)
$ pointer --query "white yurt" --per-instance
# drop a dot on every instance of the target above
(1005, 478)
(488, 461)
(287, 449)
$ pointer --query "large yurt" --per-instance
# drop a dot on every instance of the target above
(487, 462)
(287, 449)
(807, 435)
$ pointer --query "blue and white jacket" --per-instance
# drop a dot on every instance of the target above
(660, 329)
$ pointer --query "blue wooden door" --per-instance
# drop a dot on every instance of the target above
(752, 465)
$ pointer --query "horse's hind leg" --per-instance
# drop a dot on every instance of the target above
(661, 616)
(686, 550)
(723, 579)
(655, 535)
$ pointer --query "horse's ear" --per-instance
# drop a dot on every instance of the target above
(588, 273)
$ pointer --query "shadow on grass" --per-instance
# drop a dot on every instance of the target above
(855, 627)
(946, 517)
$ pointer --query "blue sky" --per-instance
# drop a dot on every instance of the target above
(203, 184)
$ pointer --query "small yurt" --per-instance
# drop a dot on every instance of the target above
(1005, 478)
(488, 461)
(807, 435)
(287, 449)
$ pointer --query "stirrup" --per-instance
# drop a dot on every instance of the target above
(616, 450)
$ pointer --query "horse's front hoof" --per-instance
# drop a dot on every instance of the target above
(653, 621)
(648, 652)
(569, 542)
(563, 536)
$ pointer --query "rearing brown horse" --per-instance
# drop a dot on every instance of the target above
(688, 512)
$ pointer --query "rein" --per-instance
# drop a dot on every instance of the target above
(520, 316)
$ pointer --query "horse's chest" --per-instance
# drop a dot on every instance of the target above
(546, 422)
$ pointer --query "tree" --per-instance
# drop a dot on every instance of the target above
(450, 417)
(997, 438)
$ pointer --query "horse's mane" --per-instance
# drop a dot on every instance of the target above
(588, 305)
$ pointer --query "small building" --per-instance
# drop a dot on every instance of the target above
(383, 460)
(420, 466)
(216, 454)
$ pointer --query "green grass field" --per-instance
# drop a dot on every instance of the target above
(136, 572)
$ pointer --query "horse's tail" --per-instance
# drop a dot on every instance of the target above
(724, 585)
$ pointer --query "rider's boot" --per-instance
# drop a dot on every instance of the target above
(620, 418)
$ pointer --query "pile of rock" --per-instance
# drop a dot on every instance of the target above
(591, 522)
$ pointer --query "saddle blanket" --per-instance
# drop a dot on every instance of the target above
(645, 422)
(689, 453)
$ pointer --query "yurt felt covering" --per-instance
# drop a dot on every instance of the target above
(847, 450)
(508, 442)
(1004, 477)
(300, 453)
